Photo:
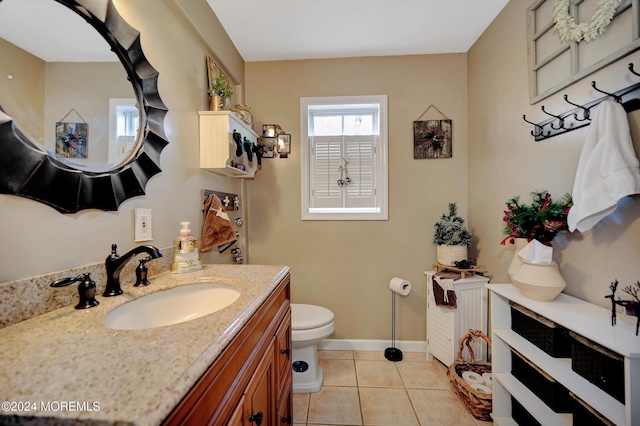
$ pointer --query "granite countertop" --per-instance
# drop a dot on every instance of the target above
(68, 361)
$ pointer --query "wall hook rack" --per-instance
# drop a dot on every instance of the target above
(559, 118)
(538, 129)
(230, 201)
(570, 120)
(585, 115)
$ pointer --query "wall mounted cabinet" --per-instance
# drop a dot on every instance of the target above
(218, 148)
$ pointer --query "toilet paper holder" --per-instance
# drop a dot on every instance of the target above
(402, 287)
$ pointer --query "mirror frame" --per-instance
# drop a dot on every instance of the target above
(27, 170)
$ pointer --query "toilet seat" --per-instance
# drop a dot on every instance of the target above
(306, 317)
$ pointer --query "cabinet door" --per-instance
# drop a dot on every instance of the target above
(238, 414)
(283, 352)
(259, 397)
(285, 408)
(440, 329)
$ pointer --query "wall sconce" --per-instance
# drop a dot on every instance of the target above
(284, 145)
(267, 146)
(273, 141)
(271, 130)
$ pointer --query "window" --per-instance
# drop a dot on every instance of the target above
(124, 123)
(344, 158)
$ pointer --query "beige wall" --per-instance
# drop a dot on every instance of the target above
(346, 265)
(85, 87)
(22, 96)
(505, 161)
(41, 240)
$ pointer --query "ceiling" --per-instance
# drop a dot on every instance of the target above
(267, 30)
(36, 26)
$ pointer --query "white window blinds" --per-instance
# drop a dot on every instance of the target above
(335, 158)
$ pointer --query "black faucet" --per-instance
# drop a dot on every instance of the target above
(115, 263)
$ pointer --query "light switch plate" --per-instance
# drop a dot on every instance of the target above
(142, 225)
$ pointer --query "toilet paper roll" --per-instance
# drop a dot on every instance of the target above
(480, 388)
(400, 286)
(472, 378)
(488, 379)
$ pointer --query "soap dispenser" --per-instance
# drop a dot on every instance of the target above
(186, 251)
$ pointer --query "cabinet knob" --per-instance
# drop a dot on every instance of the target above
(285, 351)
(257, 418)
(287, 420)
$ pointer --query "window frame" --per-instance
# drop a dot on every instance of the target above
(381, 210)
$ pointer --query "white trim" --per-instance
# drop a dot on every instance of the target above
(371, 345)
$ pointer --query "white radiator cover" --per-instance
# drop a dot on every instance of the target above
(445, 326)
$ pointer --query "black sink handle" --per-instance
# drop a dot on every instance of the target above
(86, 289)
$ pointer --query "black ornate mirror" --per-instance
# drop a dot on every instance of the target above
(29, 170)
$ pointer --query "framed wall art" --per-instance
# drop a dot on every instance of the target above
(71, 139)
(432, 139)
(570, 40)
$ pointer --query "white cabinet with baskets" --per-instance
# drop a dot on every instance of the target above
(218, 149)
(581, 318)
(445, 326)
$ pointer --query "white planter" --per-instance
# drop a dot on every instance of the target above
(446, 254)
(539, 281)
(516, 261)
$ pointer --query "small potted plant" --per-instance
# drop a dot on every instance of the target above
(219, 92)
(452, 238)
(542, 220)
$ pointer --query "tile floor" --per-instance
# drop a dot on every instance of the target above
(363, 388)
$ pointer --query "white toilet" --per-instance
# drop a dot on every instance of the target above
(310, 324)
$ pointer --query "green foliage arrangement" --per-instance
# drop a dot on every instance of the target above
(542, 220)
(450, 229)
(221, 86)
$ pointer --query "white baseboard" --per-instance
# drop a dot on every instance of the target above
(371, 345)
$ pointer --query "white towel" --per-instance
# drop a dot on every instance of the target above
(446, 284)
(608, 169)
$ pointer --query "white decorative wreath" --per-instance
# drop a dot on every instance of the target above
(569, 30)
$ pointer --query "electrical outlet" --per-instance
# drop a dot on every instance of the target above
(142, 225)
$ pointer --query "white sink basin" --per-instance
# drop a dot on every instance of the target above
(179, 304)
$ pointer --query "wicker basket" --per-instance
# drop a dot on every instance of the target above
(521, 416)
(447, 254)
(584, 414)
(552, 338)
(545, 387)
(477, 403)
(599, 365)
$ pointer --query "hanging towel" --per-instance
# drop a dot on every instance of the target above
(608, 168)
(217, 229)
(443, 292)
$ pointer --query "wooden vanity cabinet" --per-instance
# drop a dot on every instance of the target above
(282, 354)
(250, 381)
